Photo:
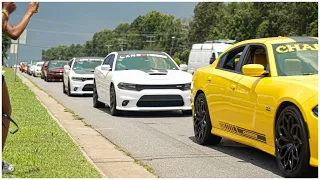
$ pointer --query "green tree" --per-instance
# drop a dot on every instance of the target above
(6, 41)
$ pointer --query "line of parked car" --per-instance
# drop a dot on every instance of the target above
(260, 92)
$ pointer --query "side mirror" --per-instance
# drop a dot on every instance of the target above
(183, 67)
(254, 70)
(212, 59)
(105, 67)
(66, 67)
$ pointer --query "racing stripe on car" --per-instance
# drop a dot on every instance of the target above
(302, 39)
(242, 132)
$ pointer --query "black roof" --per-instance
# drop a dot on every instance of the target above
(139, 51)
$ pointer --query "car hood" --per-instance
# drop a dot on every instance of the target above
(83, 71)
(309, 81)
(152, 76)
(56, 69)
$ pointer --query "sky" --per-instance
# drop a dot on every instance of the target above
(61, 23)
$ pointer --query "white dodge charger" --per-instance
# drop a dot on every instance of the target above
(78, 75)
(141, 81)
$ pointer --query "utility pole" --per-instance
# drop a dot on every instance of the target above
(151, 39)
(15, 74)
(108, 45)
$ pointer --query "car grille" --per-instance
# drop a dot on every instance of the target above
(88, 87)
(173, 86)
(160, 101)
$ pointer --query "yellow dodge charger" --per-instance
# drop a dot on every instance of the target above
(262, 93)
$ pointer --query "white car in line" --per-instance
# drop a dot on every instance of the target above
(37, 68)
(141, 81)
(78, 75)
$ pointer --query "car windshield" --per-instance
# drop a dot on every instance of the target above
(34, 63)
(294, 59)
(89, 64)
(57, 64)
(39, 64)
(145, 62)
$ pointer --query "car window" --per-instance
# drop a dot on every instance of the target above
(256, 54)
(70, 62)
(296, 59)
(111, 60)
(152, 61)
(106, 60)
(231, 59)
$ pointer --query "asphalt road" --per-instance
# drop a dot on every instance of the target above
(165, 142)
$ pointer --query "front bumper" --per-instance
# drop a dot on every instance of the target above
(37, 73)
(81, 87)
(55, 76)
(312, 123)
(153, 100)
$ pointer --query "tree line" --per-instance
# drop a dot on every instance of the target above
(211, 20)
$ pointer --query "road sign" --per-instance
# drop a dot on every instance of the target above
(22, 38)
(14, 48)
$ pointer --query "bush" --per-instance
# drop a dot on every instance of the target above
(177, 60)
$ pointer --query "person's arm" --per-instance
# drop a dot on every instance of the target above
(7, 9)
(16, 31)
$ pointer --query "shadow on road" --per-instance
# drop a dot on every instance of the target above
(154, 114)
(253, 156)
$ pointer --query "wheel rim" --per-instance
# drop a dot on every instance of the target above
(112, 99)
(200, 118)
(288, 141)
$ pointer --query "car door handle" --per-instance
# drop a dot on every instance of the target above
(208, 79)
(233, 87)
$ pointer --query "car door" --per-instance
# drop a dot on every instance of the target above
(107, 79)
(251, 98)
(99, 80)
(221, 86)
(66, 73)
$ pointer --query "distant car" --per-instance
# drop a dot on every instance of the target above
(31, 67)
(53, 71)
(141, 81)
(267, 99)
(78, 75)
(23, 68)
(37, 69)
(206, 53)
(43, 67)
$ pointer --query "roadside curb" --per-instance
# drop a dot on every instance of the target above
(109, 161)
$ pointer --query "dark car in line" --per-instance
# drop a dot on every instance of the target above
(53, 70)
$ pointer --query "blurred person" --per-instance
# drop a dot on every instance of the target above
(13, 32)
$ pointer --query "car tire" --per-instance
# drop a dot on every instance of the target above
(96, 102)
(202, 123)
(295, 142)
(69, 90)
(186, 112)
(64, 87)
(113, 102)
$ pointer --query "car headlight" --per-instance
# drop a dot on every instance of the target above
(315, 110)
(186, 87)
(75, 78)
(127, 86)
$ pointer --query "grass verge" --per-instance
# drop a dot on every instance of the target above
(40, 149)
